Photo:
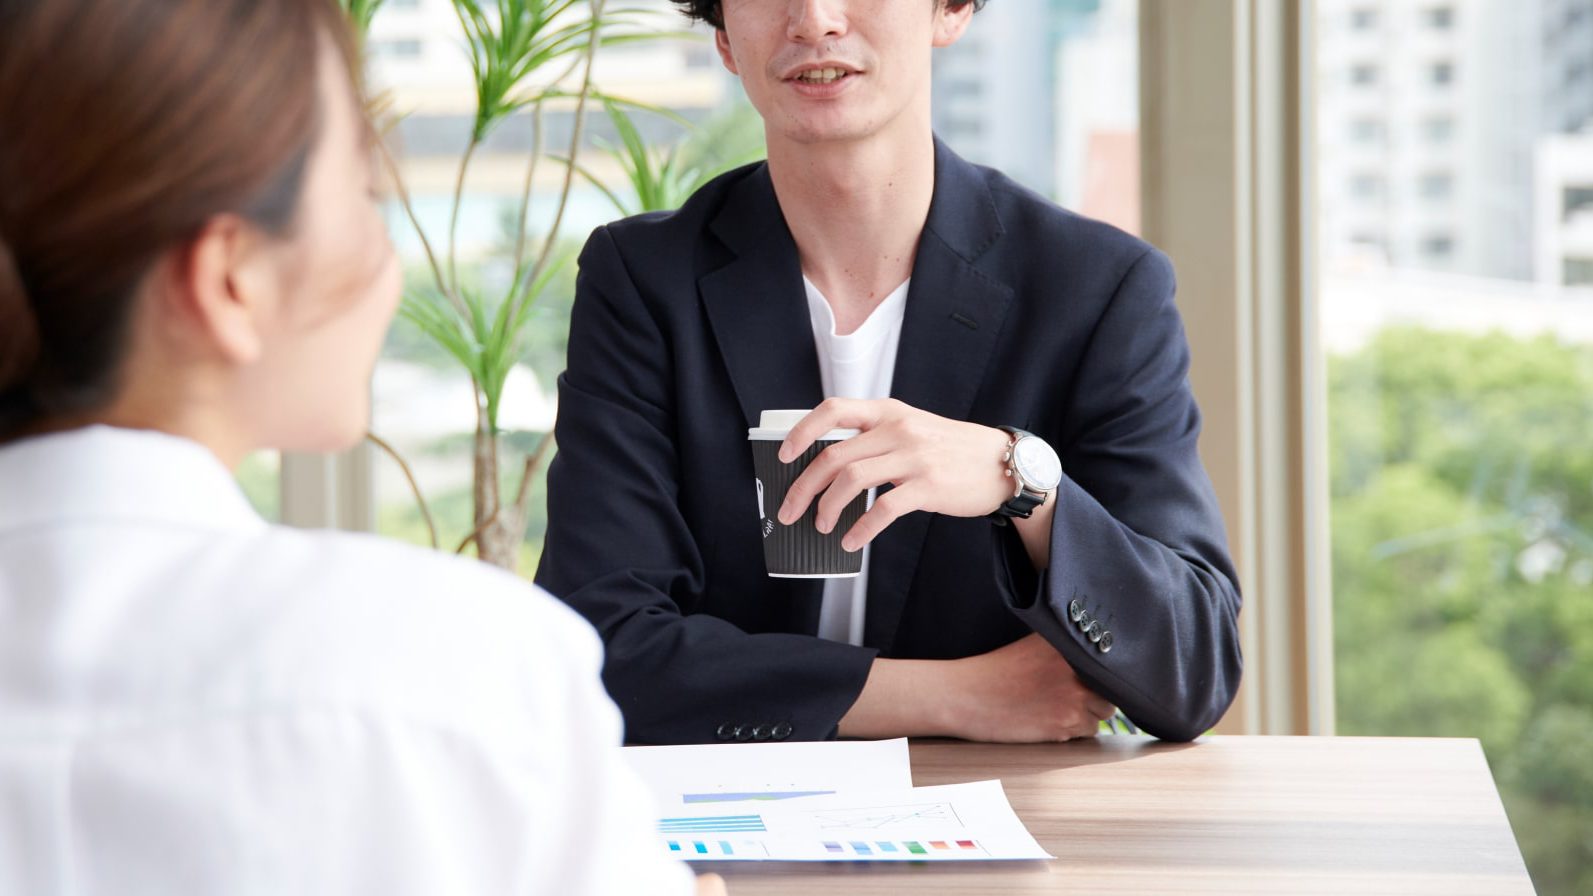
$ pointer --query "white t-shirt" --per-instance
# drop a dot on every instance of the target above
(860, 364)
(193, 701)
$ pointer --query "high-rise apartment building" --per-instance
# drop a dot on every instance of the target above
(1568, 65)
(1430, 117)
(1565, 211)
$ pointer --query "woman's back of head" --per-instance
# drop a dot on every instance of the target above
(125, 127)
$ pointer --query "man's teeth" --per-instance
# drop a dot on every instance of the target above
(821, 75)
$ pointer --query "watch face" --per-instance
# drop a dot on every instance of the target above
(1037, 463)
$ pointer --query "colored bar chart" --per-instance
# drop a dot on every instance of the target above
(717, 849)
(712, 824)
(901, 848)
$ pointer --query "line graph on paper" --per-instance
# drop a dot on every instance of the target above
(880, 818)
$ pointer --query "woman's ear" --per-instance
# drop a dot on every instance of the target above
(224, 287)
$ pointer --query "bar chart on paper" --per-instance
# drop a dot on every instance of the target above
(898, 849)
(828, 802)
(957, 822)
(694, 850)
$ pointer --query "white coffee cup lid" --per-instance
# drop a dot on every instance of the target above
(774, 426)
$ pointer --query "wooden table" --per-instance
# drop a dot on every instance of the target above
(1269, 815)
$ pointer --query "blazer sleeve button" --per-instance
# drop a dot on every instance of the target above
(726, 731)
(762, 732)
(781, 731)
(1105, 644)
(743, 733)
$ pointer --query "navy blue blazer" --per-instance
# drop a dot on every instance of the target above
(687, 325)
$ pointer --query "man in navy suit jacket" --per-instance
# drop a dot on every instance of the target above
(1117, 590)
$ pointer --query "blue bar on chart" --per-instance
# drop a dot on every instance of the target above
(695, 849)
(861, 848)
(712, 824)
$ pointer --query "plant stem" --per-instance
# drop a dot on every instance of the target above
(453, 218)
(530, 174)
(569, 170)
(525, 195)
(533, 462)
(414, 220)
(420, 500)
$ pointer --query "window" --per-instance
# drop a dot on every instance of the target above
(1459, 366)
(399, 48)
(1363, 19)
(966, 88)
(1438, 246)
(701, 56)
(1578, 202)
(1366, 130)
(1366, 186)
(1363, 74)
(1437, 186)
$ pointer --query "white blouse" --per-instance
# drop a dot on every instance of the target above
(193, 701)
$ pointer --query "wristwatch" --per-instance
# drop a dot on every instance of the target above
(1035, 470)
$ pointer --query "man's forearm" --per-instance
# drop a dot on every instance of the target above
(892, 702)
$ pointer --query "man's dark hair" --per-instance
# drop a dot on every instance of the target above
(708, 10)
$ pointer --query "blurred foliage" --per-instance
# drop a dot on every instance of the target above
(362, 11)
(259, 477)
(663, 178)
(1462, 482)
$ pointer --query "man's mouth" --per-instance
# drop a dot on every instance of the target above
(821, 75)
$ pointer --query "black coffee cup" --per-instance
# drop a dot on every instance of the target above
(800, 550)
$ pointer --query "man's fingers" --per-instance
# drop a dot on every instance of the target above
(886, 510)
(832, 413)
(1100, 709)
(822, 472)
(854, 479)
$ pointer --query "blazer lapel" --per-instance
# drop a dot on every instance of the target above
(757, 309)
(954, 315)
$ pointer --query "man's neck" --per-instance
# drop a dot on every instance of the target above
(856, 211)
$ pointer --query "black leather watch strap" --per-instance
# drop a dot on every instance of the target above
(1021, 505)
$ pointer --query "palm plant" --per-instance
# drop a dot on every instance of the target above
(663, 178)
(522, 54)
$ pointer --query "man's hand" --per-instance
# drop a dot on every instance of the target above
(939, 465)
(710, 885)
(1024, 692)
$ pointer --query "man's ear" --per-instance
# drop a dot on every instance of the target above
(722, 42)
(223, 287)
(951, 23)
